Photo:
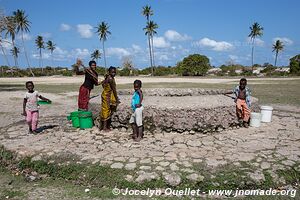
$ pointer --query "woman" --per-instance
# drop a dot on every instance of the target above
(109, 98)
(91, 79)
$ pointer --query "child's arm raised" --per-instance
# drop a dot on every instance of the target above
(44, 98)
(24, 106)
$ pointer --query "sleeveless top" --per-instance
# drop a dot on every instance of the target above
(135, 100)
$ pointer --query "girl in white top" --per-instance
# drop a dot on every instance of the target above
(30, 106)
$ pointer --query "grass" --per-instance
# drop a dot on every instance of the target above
(102, 179)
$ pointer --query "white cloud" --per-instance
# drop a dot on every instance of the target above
(44, 55)
(85, 30)
(160, 42)
(136, 48)
(258, 42)
(46, 35)
(233, 57)
(26, 37)
(163, 57)
(61, 54)
(214, 45)
(174, 36)
(65, 27)
(286, 41)
(80, 53)
(6, 44)
(119, 52)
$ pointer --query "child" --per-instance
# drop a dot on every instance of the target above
(243, 103)
(136, 119)
(30, 107)
(109, 98)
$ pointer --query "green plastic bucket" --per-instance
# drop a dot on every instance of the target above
(75, 119)
(85, 120)
(42, 102)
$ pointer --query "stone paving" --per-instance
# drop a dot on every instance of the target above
(271, 147)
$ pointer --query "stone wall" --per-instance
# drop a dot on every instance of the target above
(178, 110)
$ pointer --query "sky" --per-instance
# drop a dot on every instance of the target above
(218, 29)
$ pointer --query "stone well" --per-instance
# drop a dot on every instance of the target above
(177, 110)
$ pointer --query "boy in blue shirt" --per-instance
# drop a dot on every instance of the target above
(136, 119)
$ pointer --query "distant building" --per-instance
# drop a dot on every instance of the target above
(238, 71)
(214, 71)
(258, 70)
(282, 69)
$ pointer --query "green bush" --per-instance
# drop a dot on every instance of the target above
(295, 65)
(193, 65)
(268, 69)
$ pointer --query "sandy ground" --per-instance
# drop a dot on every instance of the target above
(271, 147)
(125, 80)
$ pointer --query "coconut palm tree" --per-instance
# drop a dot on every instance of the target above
(3, 22)
(150, 30)
(10, 28)
(277, 47)
(40, 45)
(15, 52)
(23, 25)
(96, 55)
(103, 32)
(147, 12)
(51, 47)
(256, 31)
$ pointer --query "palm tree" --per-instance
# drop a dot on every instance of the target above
(150, 30)
(278, 46)
(10, 28)
(147, 12)
(23, 25)
(40, 45)
(3, 23)
(256, 31)
(15, 52)
(51, 46)
(103, 32)
(96, 55)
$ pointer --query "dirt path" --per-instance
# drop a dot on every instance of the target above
(126, 80)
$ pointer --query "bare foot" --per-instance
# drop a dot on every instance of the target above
(246, 125)
(107, 130)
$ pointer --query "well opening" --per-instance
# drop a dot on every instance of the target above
(178, 110)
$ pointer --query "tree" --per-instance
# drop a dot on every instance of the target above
(23, 25)
(3, 23)
(127, 64)
(256, 31)
(195, 65)
(147, 12)
(278, 46)
(150, 30)
(10, 28)
(295, 65)
(15, 52)
(103, 32)
(40, 45)
(51, 47)
(96, 55)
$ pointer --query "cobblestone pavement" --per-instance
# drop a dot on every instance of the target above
(270, 147)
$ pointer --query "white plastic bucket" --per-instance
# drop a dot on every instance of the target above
(255, 119)
(266, 113)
